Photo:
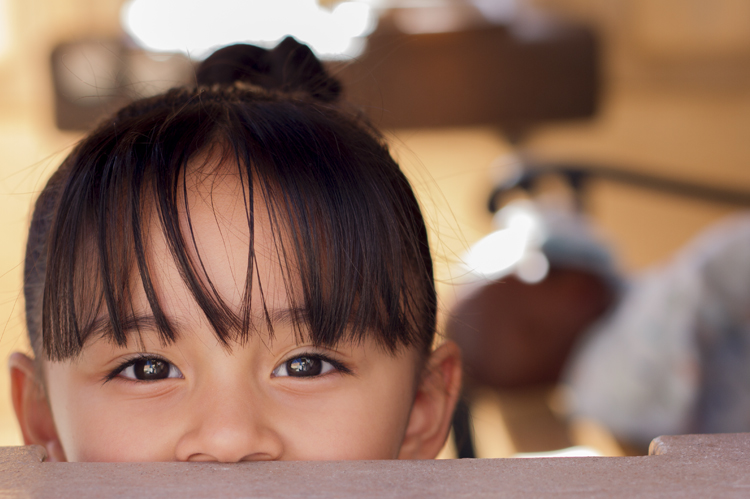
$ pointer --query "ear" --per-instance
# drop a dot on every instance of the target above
(32, 408)
(432, 412)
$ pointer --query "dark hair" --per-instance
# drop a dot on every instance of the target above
(354, 232)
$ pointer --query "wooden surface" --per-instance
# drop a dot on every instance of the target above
(685, 466)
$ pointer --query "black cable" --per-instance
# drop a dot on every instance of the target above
(462, 430)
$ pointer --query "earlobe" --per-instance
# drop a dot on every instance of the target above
(32, 408)
(432, 412)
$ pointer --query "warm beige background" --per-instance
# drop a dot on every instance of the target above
(677, 102)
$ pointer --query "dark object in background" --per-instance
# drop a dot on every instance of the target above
(486, 75)
(94, 78)
(88, 82)
(483, 76)
(515, 335)
(463, 434)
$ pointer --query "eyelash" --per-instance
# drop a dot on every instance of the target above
(131, 362)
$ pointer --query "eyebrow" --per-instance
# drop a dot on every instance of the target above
(102, 327)
(289, 316)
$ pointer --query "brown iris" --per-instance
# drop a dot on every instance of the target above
(304, 366)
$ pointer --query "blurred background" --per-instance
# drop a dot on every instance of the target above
(471, 94)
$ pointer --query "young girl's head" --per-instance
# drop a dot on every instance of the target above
(235, 271)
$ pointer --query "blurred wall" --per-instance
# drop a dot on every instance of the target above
(676, 102)
(30, 145)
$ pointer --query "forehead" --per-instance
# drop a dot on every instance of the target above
(223, 233)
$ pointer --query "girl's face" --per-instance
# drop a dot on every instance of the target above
(272, 397)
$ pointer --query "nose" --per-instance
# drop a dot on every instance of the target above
(228, 425)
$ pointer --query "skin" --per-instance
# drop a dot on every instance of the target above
(233, 403)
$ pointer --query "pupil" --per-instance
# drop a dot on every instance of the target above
(304, 366)
(148, 369)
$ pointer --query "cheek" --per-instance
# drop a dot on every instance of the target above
(363, 422)
(94, 426)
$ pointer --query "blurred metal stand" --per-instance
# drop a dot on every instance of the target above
(578, 177)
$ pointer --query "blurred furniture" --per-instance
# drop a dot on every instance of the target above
(94, 78)
(509, 423)
(483, 73)
(486, 75)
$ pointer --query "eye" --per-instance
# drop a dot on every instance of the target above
(148, 369)
(307, 366)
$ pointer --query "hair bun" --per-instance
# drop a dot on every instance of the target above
(290, 66)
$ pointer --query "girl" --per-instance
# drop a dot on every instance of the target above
(237, 271)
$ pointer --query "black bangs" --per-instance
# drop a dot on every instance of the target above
(349, 234)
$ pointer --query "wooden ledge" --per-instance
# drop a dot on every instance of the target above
(685, 466)
(722, 446)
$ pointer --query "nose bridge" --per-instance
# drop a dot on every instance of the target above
(228, 422)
